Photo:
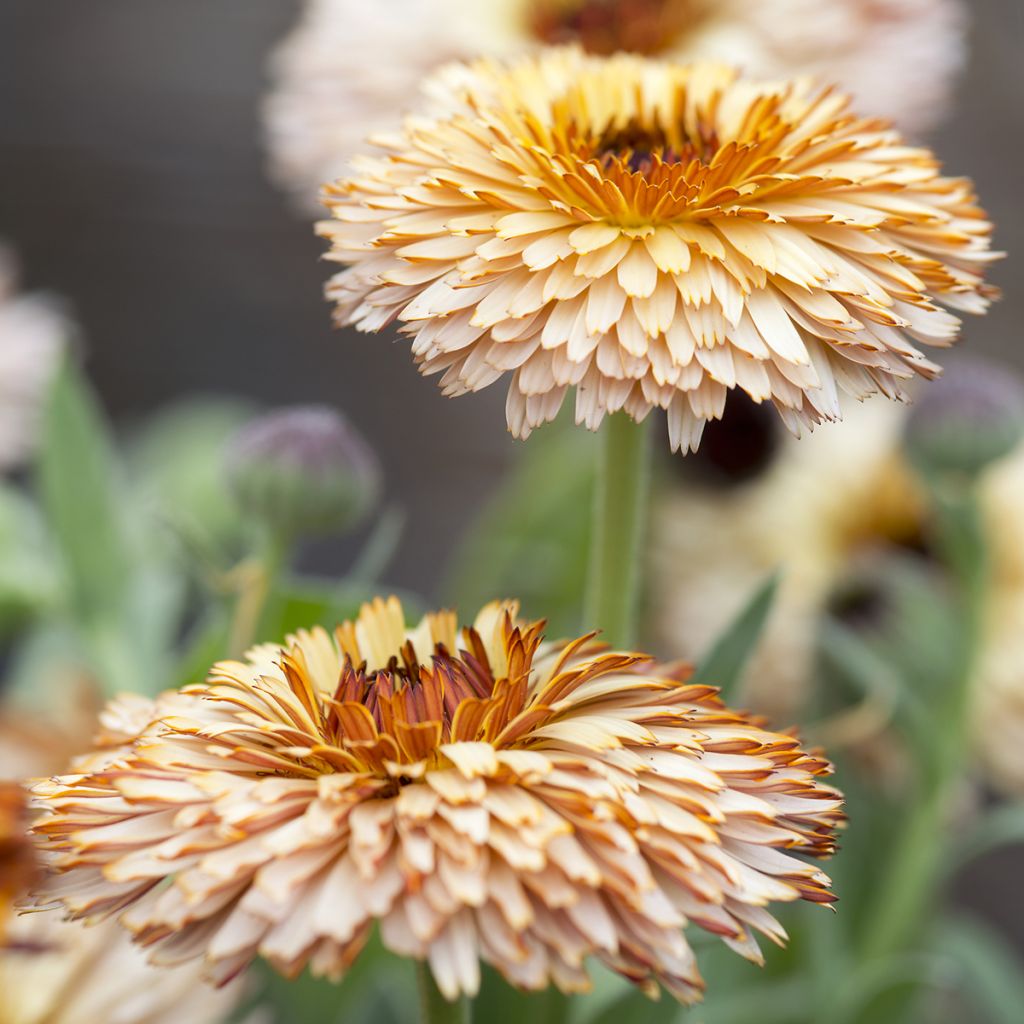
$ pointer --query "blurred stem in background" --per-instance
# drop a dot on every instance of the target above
(620, 516)
(434, 1008)
(908, 889)
(256, 580)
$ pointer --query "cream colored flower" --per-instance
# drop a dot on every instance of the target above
(811, 512)
(33, 333)
(17, 856)
(54, 972)
(59, 972)
(655, 236)
(349, 68)
(807, 512)
(480, 794)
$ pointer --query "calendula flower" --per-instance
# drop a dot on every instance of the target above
(815, 509)
(348, 68)
(655, 236)
(802, 508)
(17, 856)
(58, 972)
(480, 794)
(33, 334)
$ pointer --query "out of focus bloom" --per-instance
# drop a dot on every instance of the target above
(815, 509)
(806, 507)
(350, 67)
(303, 470)
(33, 333)
(479, 793)
(655, 236)
(17, 856)
(59, 972)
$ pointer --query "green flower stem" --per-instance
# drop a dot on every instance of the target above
(909, 889)
(620, 518)
(434, 1008)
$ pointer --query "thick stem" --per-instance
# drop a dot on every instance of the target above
(620, 517)
(434, 1008)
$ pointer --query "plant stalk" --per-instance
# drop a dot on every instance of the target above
(259, 578)
(917, 867)
(434, 1008)
(620, 518)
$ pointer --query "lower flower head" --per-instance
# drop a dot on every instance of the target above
(654, 236)
(480, 793)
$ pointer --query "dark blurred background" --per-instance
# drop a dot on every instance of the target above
(132, 182)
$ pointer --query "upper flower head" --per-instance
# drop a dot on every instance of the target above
(655, 235)
(480, 793)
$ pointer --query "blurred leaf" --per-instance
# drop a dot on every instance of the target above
(206, 643)
(785, 1001)
(499, 1003)
(304, 601)
(82, 497)
(380, 988)
(990, 969)
(43, 652)
(723, 665)
(635, 1008)
(380, 547)
(176, 463)
(884, 991)
(1001, 826)
(532, 540)
(30, 580)
(862, 667)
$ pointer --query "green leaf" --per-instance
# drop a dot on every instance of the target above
(634, 1008)
(81, 497)
(723, 665)
(990, 970)
(30, 579)
(380, 987)
(885, 990)
(177, 472)
(500, 1003)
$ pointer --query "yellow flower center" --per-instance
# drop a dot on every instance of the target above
(606, 26)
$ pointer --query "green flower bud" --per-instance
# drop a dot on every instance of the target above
(968, 419)
(304, 471)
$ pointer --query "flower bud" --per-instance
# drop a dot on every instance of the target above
(303, 471)
(966, 420)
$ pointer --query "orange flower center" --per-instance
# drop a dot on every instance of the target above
(607, 26)
(414, 693)
(402, 713)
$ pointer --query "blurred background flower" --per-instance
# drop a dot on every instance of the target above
(838, 513)
(33, 334)
(349, 68)
(66, 973)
